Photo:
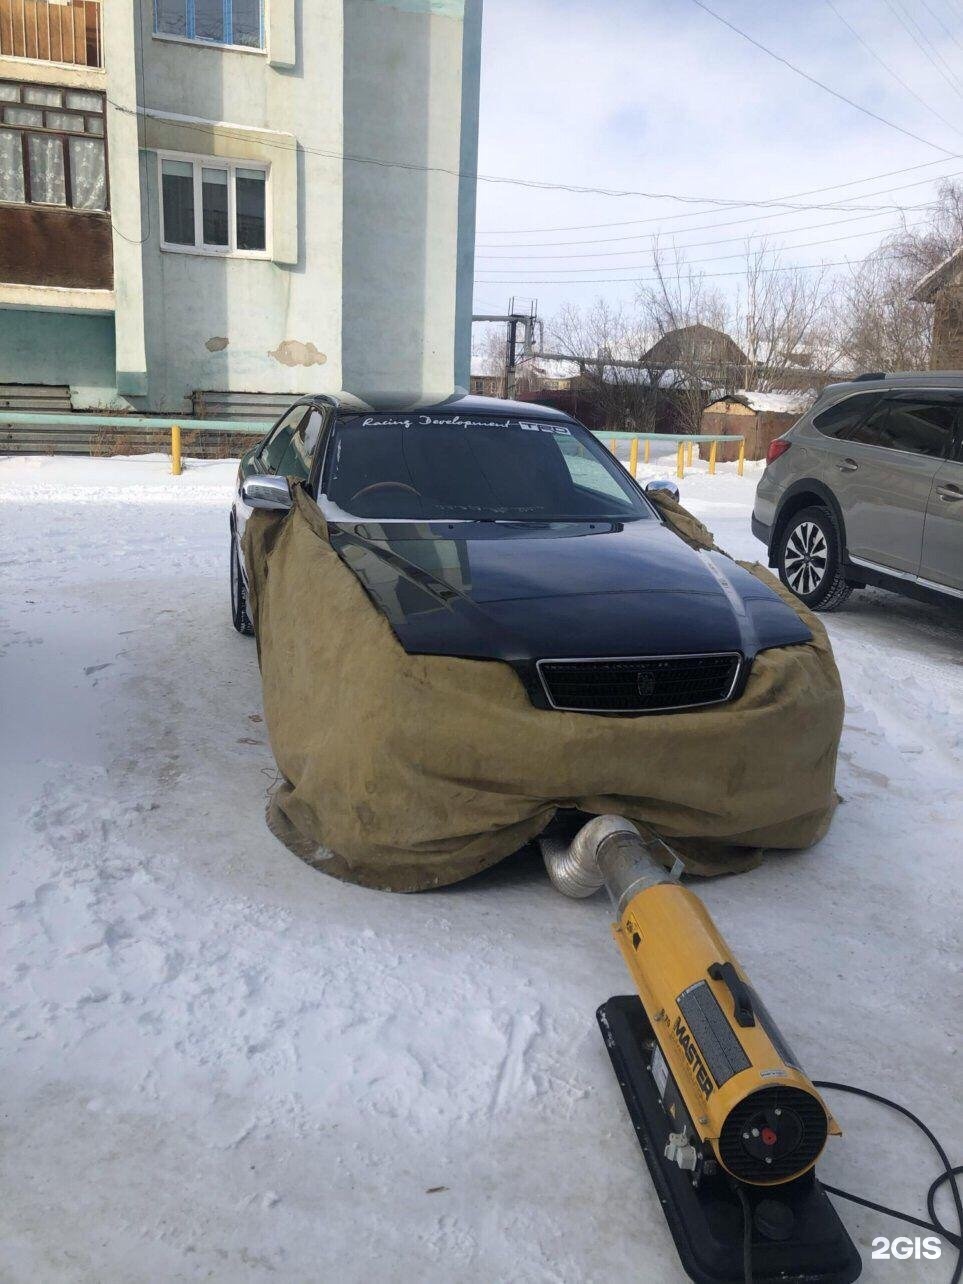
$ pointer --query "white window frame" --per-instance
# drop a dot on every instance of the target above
(200, 163)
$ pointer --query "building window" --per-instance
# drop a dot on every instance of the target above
(66, 31)
(52, 147)
(218, 22)
(213, 206)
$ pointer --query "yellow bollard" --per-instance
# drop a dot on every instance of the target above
(712, 456)
(175, 450)
(612, 445)
(688, 461)
(742, 457)
(645, 456)
(634, 456)
(680, 460)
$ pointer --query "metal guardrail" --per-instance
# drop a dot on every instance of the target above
(175, 427)
(172, 427)
(684, 452)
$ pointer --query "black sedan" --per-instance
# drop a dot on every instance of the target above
(542, 549)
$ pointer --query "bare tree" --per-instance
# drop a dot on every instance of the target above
(601, 338)
(489, 351)
(876, 323)
(690, 355)
(780, 320)
(920, 249)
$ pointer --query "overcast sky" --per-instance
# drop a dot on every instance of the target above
(658, 96)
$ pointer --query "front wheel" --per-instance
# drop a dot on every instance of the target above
(239, 610)
(809, 562)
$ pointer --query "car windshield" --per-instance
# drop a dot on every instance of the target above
(473, 468)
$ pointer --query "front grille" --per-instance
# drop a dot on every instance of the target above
(781, 1109)
(645, 684)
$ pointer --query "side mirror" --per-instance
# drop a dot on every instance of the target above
(263, 490)
(666, 487)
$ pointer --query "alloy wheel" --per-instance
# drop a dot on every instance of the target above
(806, 558)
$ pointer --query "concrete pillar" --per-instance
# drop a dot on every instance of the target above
(127, 221)
(410, 129)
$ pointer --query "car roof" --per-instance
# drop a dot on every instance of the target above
(952, 379)
(460, 404)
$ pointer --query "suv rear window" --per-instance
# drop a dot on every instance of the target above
(846, 414)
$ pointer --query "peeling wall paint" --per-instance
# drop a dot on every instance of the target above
(292, 352)
(379, 257)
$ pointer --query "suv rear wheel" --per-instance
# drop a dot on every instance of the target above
(809, 562)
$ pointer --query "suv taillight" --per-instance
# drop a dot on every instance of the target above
(776, 448)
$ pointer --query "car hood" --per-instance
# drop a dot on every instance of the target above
(523, 592)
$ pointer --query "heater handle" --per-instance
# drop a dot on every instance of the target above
(741, 994)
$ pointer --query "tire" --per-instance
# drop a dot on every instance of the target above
(240, 617)
(808, 560)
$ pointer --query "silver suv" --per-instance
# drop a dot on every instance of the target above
(867, 488)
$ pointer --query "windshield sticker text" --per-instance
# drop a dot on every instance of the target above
(430, 421)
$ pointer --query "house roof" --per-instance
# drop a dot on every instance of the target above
(926, 289)
(703, 342)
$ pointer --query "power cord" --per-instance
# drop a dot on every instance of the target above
(746, 1234)
(949, 1176)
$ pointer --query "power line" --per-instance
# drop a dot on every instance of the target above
(866, 111)
(951, 10)
(635, 280)
(843, 209)
(690, 245)
(904, 22)
(814, 191)
(718, 258)
(200, 126)
(940, 23)
(886, 67)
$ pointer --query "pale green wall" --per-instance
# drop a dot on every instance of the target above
(60, 348)
(253, 325)
(402, 259)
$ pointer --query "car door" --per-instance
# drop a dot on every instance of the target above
(885, 465)
(942, 561)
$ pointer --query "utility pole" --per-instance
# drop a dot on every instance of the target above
(514, 318)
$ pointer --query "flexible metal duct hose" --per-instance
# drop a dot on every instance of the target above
(608, 851)
(574, 868)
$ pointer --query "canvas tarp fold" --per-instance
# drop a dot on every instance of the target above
(406, 772)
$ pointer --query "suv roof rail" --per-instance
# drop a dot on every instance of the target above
(871, 374)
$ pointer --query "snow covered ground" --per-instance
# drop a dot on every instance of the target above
(219, 1064)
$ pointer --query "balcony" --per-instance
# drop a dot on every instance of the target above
(58, 31)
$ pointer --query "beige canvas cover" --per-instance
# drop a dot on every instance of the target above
(406, 772)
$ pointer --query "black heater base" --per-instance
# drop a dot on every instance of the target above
(707, 1221)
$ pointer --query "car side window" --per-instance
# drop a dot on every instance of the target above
(916, 427)
(845, 415)
(277, 445)
(296, 460)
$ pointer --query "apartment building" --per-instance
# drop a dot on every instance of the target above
(208, 201)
